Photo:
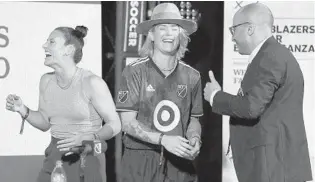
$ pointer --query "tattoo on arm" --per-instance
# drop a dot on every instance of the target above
(141, 131)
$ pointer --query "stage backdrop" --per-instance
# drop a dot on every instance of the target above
(293, 27)
(24, 28)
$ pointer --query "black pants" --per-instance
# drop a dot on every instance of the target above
(143, 166)
(93, 172)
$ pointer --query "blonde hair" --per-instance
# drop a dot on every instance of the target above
(147, 48)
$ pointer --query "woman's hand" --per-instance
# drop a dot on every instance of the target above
(66, 144)
(177, 145)
(195, 142)
(14, 103)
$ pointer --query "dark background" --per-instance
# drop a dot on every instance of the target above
(205, 53)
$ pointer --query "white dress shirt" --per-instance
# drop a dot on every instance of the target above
(250, 59)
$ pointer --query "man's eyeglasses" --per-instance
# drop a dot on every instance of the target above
(232, 28)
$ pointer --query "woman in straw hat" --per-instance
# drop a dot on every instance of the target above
(160, 102)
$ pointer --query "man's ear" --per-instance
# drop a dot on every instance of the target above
(251, 29)
(69, 49)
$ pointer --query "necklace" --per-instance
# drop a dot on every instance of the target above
(69, 84)
(163, 69)
(166, 69)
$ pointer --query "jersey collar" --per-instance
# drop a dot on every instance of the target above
(160, 71)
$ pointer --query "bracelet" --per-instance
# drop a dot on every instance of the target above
(160, 139)
(23, 120)
(27, 113)
(198, 137)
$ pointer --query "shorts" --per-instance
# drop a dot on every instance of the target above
(93, 172)
(143, 166)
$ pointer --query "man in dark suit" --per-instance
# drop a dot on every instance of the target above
(267, 132)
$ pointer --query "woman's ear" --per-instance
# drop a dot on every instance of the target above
(150, 34)
(70, 49)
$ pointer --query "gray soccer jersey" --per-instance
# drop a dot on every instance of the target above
(164, 104)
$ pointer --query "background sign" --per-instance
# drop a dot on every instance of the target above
(134, 14)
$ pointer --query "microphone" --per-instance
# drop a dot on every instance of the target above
(85, 148)
(76, 152)
(89, 147)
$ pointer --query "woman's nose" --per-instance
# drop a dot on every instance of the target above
(45, 45)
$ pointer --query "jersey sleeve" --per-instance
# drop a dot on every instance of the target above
(127, 97)
(197, 109)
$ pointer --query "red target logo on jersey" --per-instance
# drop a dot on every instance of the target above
(166, 116)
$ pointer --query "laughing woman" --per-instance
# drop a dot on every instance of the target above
(73, 102)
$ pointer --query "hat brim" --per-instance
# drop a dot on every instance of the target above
(189, 25)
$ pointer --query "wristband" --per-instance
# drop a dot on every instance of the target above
(195, 136)
(27, 113)
(198, 137)
(23, 120)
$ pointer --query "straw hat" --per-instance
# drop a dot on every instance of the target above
(166, 13)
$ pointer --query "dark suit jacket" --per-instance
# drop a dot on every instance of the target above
(267, 131)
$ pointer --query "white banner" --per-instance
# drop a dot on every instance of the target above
(24, 28)
(293, 27)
